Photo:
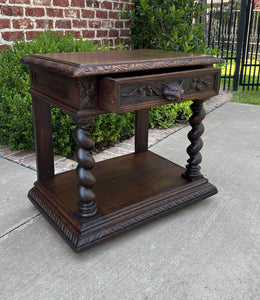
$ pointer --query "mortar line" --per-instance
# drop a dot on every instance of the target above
(20, 225)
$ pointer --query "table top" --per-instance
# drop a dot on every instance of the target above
(81, 64)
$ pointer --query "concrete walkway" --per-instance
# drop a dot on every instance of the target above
(209, 250)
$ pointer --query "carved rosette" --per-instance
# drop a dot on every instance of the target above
(87, 203)
(88, 92)
(192, 168)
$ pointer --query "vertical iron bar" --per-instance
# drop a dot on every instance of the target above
(240, 34)
(210, 21)
(252, 46)
(220, 22)
(229, 31)
(256, 52)
(232, 49)
(245, 49)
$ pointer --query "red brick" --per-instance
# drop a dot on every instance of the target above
(128, 24)
(113, 15)
(102, 14)
(64, 24)
(102, 33)
(10, 36)
(124, 32)
(44, 24)
(54, 12)
(34, 12)
(106, 5)
(18, 1)
(16, 11)
(118, 6)
(129, 6)
(94, 24)
(107, 24)
(109, 42)
(88, 14)
(92, 3)
(97, 42)
(78, 3)
(96, 4)
(72, 13)
(5, 23)
(30, 35)
(63, 3)
(113, 33)
(119, 24)
(76, 34)
(79, 24)
(23, 24)
(42, 2)
(88, 34)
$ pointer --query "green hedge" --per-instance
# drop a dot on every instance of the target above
(16, 125)
(167, 24)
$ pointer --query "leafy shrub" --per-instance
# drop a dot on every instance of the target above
(167, 24)
(16, 122)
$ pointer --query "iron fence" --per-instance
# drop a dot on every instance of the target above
(234, 28)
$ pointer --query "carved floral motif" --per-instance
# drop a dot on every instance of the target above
(173, 91)
(87, 92)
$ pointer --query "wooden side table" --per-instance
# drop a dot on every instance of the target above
(97, 202)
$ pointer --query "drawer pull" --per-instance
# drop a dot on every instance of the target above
(173, 91)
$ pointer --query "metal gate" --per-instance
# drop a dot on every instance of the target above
(234, 28)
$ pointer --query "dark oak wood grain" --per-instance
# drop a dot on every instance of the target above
(83, 64)
(150, 186)
(141, 130)
(121, 94)
(99, 201)
(43, 139)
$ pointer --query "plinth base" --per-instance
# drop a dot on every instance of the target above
(130, 191)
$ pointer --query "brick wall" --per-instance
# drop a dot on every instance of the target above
(94, 20)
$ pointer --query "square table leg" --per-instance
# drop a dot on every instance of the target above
(43, 139)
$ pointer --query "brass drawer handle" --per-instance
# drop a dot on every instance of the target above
(173, 91)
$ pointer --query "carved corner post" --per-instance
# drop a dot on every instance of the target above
(193, 168)
(87, 204)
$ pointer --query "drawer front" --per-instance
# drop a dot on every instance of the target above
(133, 93)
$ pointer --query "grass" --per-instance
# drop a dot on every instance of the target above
(248, 97)
(242, 96)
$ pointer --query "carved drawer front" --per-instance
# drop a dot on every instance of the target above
(120, 94)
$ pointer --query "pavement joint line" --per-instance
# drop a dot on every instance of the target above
(17, 162)
(24, 157)
(120, 148)
(110, 152)
(13, 153)
(26, 166)
(59, 160)
(5, 234)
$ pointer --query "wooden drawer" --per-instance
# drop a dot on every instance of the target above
(121, 94)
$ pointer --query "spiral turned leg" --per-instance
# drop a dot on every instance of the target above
(87, 203)
(192, 168)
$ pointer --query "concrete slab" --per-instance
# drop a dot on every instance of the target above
(15, 181)
(209, 250)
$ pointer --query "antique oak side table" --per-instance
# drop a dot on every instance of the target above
(96, 202)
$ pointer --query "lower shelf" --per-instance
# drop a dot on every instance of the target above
(130, 190)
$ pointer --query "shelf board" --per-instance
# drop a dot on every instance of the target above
(130, 190)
